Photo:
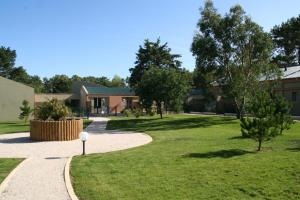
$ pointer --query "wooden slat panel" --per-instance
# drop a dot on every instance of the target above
(55, 130)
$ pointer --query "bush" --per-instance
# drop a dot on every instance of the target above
(26, 111)
(52, 110)
(137, 112)
(127, 112)
(266, 120)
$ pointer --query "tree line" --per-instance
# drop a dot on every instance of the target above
(55, 84)
(234, 54)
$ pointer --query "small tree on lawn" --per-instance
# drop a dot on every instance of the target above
(26, 111)
(262, 125)
(282, 113)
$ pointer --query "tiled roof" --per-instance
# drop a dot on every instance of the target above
(110, 90)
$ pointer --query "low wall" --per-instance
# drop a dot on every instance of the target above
(55, 130)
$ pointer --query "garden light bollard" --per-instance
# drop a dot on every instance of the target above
(83, 137)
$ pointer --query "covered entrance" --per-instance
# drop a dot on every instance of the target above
(99, 105)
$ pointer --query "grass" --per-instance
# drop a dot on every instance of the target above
(86, 122)
(20, 126)
(13, 127)
(7, 165)
(191, 157)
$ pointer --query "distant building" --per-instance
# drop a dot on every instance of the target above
(289, 87)
(94, 99)
(12, 95)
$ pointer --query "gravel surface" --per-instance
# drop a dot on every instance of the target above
(41, 177)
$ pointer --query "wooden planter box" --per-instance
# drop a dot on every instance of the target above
(55, 130)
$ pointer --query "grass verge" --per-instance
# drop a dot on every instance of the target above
(191, 157)
(7, 165)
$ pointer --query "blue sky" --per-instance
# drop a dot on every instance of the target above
(100, 38)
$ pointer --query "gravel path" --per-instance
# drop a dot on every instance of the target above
(41, 177)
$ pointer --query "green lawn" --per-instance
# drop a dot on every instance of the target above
(20, 126)
(7, 165)
(13, 127)
(191, 157)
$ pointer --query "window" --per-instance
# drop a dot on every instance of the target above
(294, 96)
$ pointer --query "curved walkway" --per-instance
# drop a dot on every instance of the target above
(41, 177)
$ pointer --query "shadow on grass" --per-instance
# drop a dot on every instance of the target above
(156, 124)
(294, 143)
(238, 138)
(219, 154)
(294, 149)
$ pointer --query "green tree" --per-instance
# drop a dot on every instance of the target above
(58, 84)
(233, 51)
(165, 87)
(19, 74)
(26, 111)
(117, 81)
(282, 113)
(152, 54)
(7, 61)
(36, 82)
(262, 125)
(287, 39)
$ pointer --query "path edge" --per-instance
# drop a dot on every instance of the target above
(5, 182)
(68, 182)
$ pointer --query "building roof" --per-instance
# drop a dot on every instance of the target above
(114, 91)
(291, 72)
(76, 86)
(195, 92)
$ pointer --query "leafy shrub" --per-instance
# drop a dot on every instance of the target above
(137, 112)
(26, 111)
(268, 118)
(52, 110)
(127, 112)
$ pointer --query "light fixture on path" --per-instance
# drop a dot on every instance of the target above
(83, 137)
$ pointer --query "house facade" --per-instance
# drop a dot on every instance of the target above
(93, 99)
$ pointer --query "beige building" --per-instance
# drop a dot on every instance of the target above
(12, 95)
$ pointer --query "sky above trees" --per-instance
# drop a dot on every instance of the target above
(100, 38)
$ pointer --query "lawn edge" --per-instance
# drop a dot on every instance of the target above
(5, 182)
(68, 181)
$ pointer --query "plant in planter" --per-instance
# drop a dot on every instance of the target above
(51, 123)
(53, 110)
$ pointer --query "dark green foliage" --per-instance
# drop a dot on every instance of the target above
(282, 113)
(230, 50)
(157, 77)
(127, 112)
(149, 55)
(137, 112)
(117, 81)
(26, 111)
(52, 110)
(7, 61)
(165, 87)
(19, 74)
(58, 84)
(263, 123)
(287, 39)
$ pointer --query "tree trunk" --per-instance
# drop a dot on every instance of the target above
(159, 110)
(299, 56)
(259, 145)
(240, 109)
